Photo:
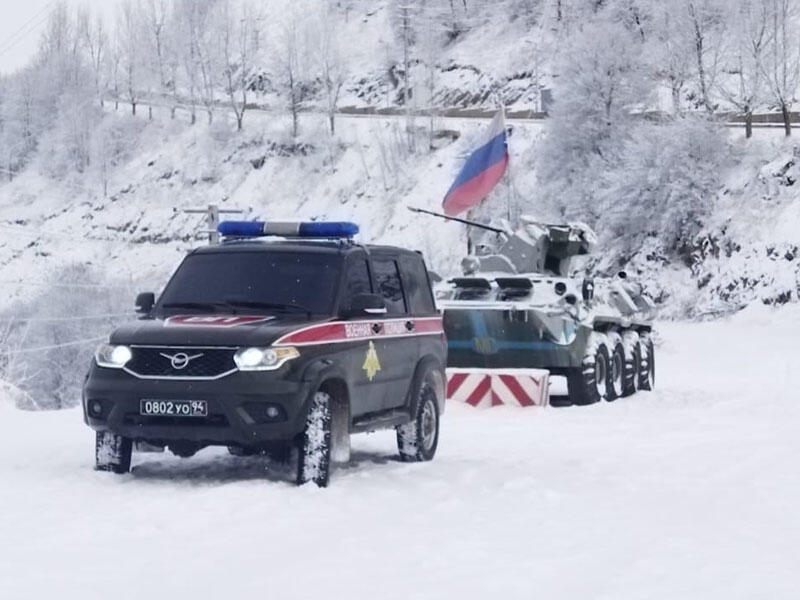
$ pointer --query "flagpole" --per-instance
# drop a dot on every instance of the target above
(510, 208)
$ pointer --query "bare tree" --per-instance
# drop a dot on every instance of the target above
(200, 59)
(750, 35)
(95, 42)
(292, 64)
(332, 66)
(236, 38)
(706, 27)
(129, 46)
(672, 43)
(782, 63)
(156, 15)
(185, 40)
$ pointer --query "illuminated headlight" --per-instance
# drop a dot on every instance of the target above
(112, 357)
(263, 359)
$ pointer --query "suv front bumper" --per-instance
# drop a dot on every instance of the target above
(236, 407)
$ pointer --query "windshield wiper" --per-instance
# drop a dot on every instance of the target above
(242, 303)
(215, 306)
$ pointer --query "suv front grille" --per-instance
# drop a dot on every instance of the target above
(179, 362)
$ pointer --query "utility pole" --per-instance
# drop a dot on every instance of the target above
(212, 213)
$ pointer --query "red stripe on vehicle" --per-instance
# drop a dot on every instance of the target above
(479, 392)
(347, 331)
(215, 320)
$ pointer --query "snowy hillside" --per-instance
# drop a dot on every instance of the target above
(92, 198)
(687, 492)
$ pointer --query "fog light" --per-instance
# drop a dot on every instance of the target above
(273, 412)
(96, 408)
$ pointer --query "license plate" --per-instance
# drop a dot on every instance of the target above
(174, 408)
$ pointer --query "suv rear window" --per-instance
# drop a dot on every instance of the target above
(418, 289)
(388, 285)
(289, 281)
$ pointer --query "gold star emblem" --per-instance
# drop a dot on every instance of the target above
(371, 363)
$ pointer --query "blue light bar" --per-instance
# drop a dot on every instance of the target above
(311, 229)
(328, 229)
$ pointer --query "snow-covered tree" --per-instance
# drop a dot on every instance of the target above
(236, 39)
(601, 82)
(293, 62)
(129, 41)
(744, 86)
(332, 63)
(92, 30)
(706, 22)
(781, 62)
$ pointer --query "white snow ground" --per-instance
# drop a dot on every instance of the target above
(687, 492)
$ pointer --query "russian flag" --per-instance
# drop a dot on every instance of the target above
(482, 171)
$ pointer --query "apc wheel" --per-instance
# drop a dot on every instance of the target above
(314, 458)
(589, 383)
(417, 441)
(616, 371)
(633, 362)
(112, 452)
(647, 378)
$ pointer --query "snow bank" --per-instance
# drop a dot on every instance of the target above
(688, 492)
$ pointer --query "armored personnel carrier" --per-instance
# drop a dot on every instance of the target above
(516, 307)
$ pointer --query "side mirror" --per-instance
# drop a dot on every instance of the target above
(145, 302)
(365, 305)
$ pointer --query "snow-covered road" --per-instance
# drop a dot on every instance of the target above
(687, 492)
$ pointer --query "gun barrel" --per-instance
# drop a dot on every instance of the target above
(456, 219)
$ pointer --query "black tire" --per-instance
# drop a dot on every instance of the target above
(314, 456)
(112, 452)
(616, 371)
(417, 440)
(583, 383)
(633, 362)
(647, 379)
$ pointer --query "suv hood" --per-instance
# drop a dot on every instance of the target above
(211, 330)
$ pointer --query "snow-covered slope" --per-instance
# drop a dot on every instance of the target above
(139, 232)
(687, 492)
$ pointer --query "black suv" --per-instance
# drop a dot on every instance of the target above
(268, 346)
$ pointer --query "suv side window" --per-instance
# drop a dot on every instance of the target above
(356, 280)
(388, 285)
(417, 286)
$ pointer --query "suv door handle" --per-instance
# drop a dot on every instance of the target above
(409, 325)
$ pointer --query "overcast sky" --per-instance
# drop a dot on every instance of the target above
(22, 21)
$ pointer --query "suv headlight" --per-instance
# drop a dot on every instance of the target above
(263, 359)
(112, 357)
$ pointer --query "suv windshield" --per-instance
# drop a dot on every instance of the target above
(268, 282)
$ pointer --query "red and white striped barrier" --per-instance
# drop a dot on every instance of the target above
(497, 387)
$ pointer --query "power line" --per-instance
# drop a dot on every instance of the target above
(27, 28)
(64, 285)
(48, 232)
(62, 319)
(55, 346)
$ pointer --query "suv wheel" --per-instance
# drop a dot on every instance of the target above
(315, 448)
(112, 452)
(417, 440)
